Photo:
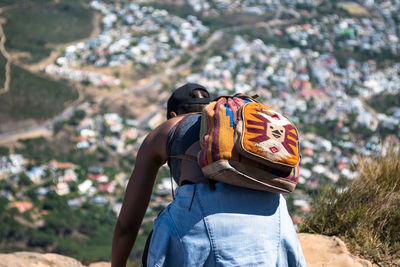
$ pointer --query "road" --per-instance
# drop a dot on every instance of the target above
(155, 82)
(7, 71)
(46, 128)
(169, 71)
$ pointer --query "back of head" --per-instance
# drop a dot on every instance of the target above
(191, 97)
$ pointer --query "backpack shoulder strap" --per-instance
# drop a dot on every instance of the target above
(174, 135)
(170, 148)
(184, 157)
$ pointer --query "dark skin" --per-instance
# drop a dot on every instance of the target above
(151, 156)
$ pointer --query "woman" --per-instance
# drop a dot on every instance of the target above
(203, 226)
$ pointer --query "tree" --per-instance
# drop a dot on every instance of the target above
(58, 126)
(4, 151)
(40, 238)
(3, 205)
(24, 180)
(78, 116)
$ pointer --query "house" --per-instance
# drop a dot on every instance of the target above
(61, 165)
(106, 187)
(76, 202)
(85, 186)
(83, 144)
(62, 189)
(100, 178)
(14, 164)
(42, 191)
(88, 133)
(99, 200)
(35, 174)
(69, 176)
(22, 206)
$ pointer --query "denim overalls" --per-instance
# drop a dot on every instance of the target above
(228, 226)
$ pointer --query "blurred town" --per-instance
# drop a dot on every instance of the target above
(334, 74)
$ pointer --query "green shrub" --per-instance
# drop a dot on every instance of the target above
(367, 213)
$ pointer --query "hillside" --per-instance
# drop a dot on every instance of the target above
(366, 214)
(31, 31)
(33, 28)
(32, 96)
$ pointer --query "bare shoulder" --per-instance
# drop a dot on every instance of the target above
(156, 141)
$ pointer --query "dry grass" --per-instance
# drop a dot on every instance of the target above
(354, 9)
(367, 214)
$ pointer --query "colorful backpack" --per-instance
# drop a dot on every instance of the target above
(247, 144)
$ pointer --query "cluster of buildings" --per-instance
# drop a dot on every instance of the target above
(365, 35)
(141, 35)
(253, 65)
(314, 91)
(115, 135)
(85, 77)
(375, 28)
(64, 178)
(328, 101)
(14, 163)
(258, 7)
(110, 130)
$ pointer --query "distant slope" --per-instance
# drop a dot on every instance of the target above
(4, 3)
(32, 30)
(34, 26)
(32, 96)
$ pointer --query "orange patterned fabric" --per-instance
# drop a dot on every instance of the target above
(269, 135)
(217, 129)
(247, 144)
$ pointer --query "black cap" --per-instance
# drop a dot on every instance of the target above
(184, 95)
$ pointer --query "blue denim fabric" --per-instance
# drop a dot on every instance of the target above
(230, 226)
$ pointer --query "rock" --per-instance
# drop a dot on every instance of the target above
(319, 251)
(328, 251)
(100, 264)
(32, 259)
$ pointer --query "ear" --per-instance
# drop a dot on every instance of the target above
(173, 114)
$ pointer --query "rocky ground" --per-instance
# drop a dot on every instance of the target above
(33, 259)
(328, 251)
(318, 250)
